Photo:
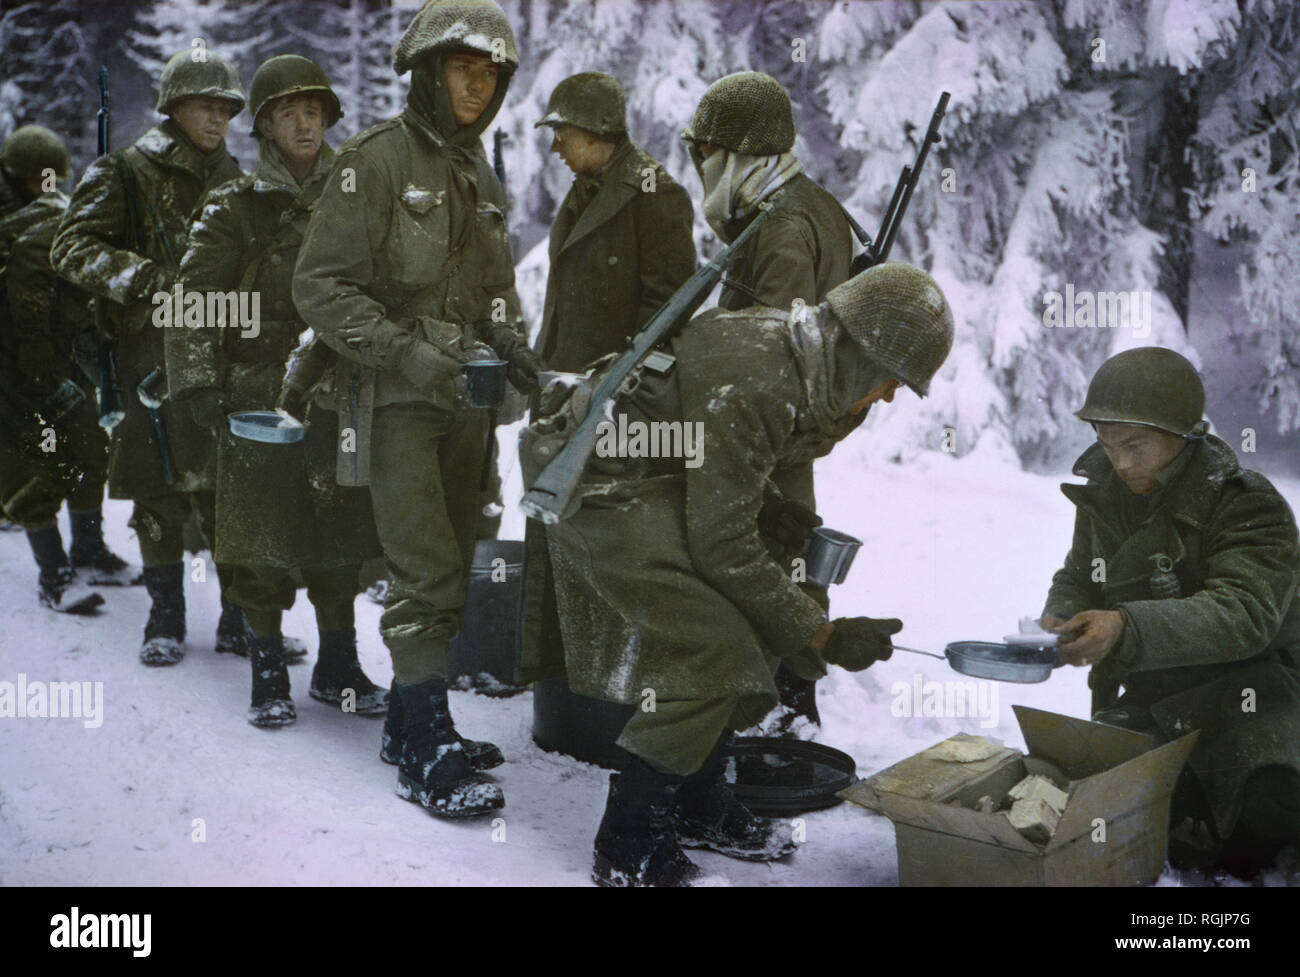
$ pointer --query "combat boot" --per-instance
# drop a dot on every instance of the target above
(710, 816)
(481, 754)
(271, 706)
(636, 844)
(57, 586)
(234, 636)
(164, 632)
(337, 671)
(91, 557)
(434, 770)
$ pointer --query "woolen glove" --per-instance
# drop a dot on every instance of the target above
(786, 521)
(859, 642)
(429, 370)
(807, 663)
(523, 368)
(207, 408)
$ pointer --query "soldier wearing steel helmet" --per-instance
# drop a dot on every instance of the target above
(621, 245)
(39, 321)
(1179, 591)
(741, 140)
(279, 508)
(667, 580)
(406, 273)
(121, 239)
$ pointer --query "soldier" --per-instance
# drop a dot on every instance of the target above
(121, 239)
(278, 507)
(741, 140)
(1180, 590)
(406, 272)
(667, 581)
(54, 447)
(620, 247)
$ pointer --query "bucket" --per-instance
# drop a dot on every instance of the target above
(584, 728)
(830, 554)
(483, 655)
(487, 382)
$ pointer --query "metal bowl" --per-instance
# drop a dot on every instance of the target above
(265, 426)
(775, 777)
(1002, 663)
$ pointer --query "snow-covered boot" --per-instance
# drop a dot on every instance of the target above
(91, 557)
(710, 816)
(481, 754)
(338, 671)
(164, 632)
(636, 844)
(234, 636)
(271, 706)
(57, 586)
(434, 770)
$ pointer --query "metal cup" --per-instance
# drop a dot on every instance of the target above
(830, 554)
(487, 382)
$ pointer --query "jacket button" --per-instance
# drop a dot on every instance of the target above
(613, 259)
(276, 259)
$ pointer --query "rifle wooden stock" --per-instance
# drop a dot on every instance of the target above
(550, 495)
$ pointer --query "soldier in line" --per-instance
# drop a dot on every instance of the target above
(666, 580)
(278, 507)
(406, 273)
(741, 141)
(620, 247)
(121, 239)
(1195, 617)
(54, 449)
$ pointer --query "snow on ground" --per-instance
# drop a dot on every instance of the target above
(957, 549)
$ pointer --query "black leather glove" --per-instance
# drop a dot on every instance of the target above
(523, 368)
(807, 663)
(207, 408)
(859, 642)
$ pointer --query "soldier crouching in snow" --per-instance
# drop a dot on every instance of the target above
(1180, 591)
(667, 579)
(278, 506)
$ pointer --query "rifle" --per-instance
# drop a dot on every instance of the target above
(110, 393)
(498, 157)
(551, 493)
(878, 252)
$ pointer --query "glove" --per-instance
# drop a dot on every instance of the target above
(807, 663)
(786, 521)
(207, 408)
(429, 370)
(523, 368)
(859, 642)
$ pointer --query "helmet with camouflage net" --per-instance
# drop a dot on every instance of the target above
(291, 74)
(748, 112)
(476, 25)
(592, 100)
(31, 150)
(900, 318)
(199, 71)
(1151, 386)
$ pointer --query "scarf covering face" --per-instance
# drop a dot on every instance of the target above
(272, 169)
(836, 372)
(735, 184)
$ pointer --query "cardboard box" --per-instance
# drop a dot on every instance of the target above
(1113, 832)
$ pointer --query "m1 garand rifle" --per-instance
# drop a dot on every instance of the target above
(549, 497)
(111, 411)
(876, 252)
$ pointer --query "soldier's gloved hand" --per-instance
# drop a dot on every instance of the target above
(786, 521)
(523, 368)
(807, 663)
(861, 641)
(291, 400)
(429, 370)
(207, 408)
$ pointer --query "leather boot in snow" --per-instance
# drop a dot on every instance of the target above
(481, 754)
(271, 706)
(91, 557)
(710, 816)
(636, 844)
(434, 770)
(234, 636)
(338, 673)
(58, 587)
(164, 632)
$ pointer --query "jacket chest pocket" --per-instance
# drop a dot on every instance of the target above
(417, 247)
